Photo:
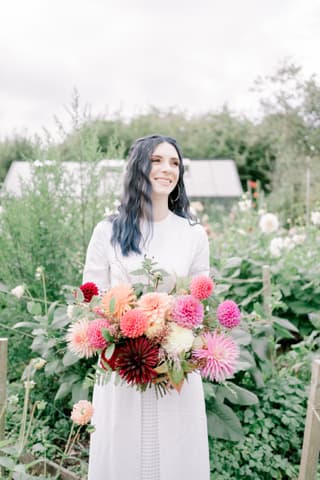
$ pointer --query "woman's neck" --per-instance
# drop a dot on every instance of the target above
(160, 209)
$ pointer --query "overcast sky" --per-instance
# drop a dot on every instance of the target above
(195, 55)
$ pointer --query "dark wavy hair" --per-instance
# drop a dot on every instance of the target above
(136, 202)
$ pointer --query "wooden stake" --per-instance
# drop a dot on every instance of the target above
(266, 280)
(3, 383)
(311, 440)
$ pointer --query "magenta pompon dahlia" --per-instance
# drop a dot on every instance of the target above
(228, 314)
(187, 311)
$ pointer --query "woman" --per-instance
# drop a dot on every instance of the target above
(137, 435)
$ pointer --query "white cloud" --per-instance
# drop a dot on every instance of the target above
(193, 55)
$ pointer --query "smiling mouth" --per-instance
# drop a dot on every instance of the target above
(165, 181)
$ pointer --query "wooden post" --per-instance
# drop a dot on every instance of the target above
(308, 174)
(311, 440)
(266, 280)
(3, 383)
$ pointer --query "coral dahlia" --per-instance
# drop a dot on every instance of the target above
(95, 336)
(133, 323)
(136, 360)
(201, 287)
(228, 314)
(187, 311)
(156, 307)
(82, 412)
(220, 354)
(89, 289)
(123, 298)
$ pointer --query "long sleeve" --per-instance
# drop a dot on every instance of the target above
(201, 259)
(96, 267)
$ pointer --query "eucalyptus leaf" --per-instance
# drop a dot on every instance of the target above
(109, 351)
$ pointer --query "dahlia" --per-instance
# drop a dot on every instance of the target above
(89, 289)
(220, 354)
(136, 360)
(78, 341)
(187, 311)
(95, 336)
(201, 287)
(133, 323)
(228, 314)
(156, 307)
(82, 412)
(268, 223)
(123, 298)
(179, 340)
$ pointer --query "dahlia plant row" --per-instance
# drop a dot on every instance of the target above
(155, 338)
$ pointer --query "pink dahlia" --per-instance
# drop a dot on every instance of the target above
(201, 287)
(228, 314)
(220, 354)
(89, 289)
(78, 341)
(187, 311)
(95, 335)
(133, 323)
(82, 412)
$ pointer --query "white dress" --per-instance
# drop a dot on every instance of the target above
(138, 436)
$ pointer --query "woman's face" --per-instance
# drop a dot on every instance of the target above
(164, 174)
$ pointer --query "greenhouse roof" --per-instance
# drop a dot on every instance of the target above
(203, 178)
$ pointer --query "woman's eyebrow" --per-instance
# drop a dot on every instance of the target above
(160, 156)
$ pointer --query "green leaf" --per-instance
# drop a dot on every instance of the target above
(112, 305)
(79, 392)
(109, 351)
(34, 308)
(107, 335)
(63, 391)
(69, 359)
(26, 324)
(260, 347)
(232, 262)
(239, 395)
(52, 367)
(176, 375)
(283, 322)
(314, 318)
(7, 462)
(223, 423)
(60, 319)
(51, 311)
(140, 271)
(241, 336)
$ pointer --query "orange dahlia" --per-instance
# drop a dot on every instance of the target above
(118, 300)
(156, 306)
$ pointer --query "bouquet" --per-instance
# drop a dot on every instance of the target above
(150, 338)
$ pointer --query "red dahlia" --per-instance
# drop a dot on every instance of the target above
(136, 360)
(89, 289)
